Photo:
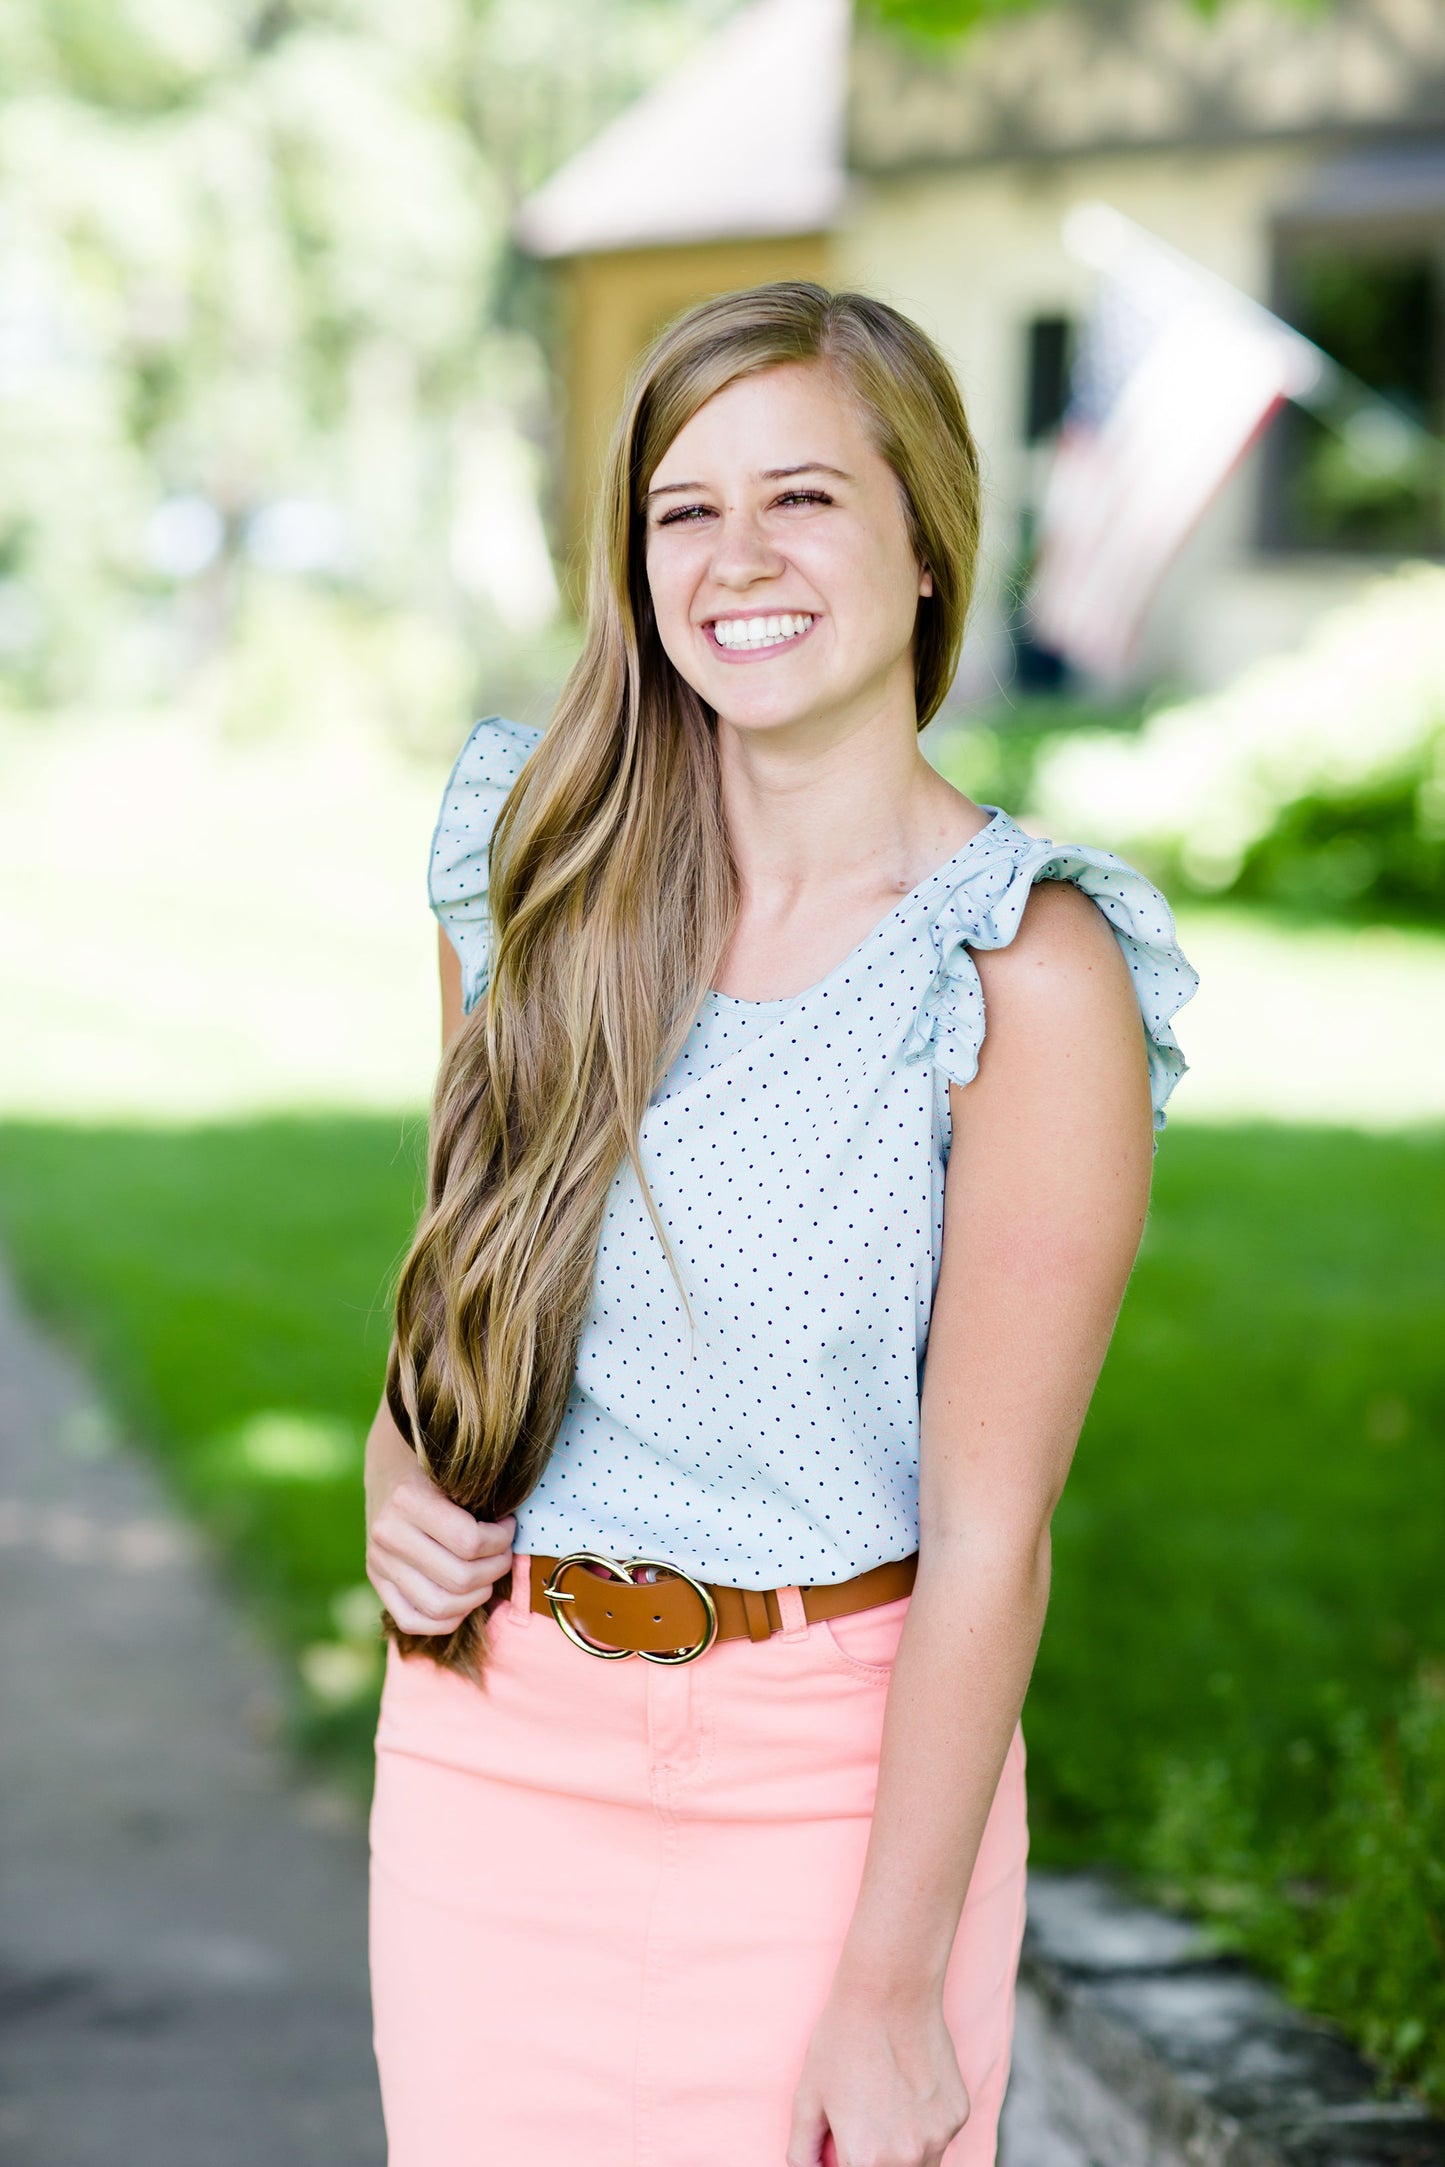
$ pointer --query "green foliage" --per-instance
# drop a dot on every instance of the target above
(1238, 1689)
(992, 756)
(265, 314)
(1378, 848)
(941, 22)
(1343, 1895)
(1376, 1941)
(1317, 777)
(1255, 1508)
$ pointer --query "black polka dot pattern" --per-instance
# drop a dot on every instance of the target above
(796, 1152)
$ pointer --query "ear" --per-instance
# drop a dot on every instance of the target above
(925, 582)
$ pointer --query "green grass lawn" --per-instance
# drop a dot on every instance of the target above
(229, 1287)
(265, 945)
(1256, 1512)
(1240, 1693)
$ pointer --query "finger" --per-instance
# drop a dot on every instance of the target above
(938, 2146)
(408, 1620)
(492, 1537)
(406, 1617)
(421, 1589)
(449, 1524)
(453, 1581)
(808, 2131)
(439, 1610)
(412, 1617)
(420, 1499)
(399, 1539)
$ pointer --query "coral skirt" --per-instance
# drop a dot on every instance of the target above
(607, 1899)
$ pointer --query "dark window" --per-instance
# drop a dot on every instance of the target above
(1048, 357)
(1046, 379)
(1375, 301)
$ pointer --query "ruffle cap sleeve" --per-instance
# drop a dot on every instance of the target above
(458, 870)
(983, 911)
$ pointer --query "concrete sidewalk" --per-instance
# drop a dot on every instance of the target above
(182, 1923)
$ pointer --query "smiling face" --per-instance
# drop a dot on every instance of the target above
(782, 575)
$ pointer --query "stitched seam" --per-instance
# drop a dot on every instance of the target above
(653, 1964)
(704, 1737)
(836, 1649)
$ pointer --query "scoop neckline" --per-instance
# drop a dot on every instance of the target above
(992, 826)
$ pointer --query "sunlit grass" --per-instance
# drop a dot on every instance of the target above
(1311, 1023)
(192, 928)
(229, 1286)
(1255, 1511)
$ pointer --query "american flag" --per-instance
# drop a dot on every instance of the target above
(1176, 374)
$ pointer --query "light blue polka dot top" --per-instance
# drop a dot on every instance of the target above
(796, 1151)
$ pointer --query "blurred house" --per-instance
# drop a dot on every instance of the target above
(1299, 153)
(728, 173)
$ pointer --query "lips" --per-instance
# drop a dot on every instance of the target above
(759, 635)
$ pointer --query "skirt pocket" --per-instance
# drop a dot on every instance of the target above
(867, 1640)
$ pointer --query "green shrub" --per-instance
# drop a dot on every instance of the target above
(1318, 777)
(993, 753)
(1345, 1903)
(1371, 846)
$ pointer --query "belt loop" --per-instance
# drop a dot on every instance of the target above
(755, 1610)
(521, 1596)
(792, 1613)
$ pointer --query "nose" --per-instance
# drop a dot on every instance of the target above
(742, 553)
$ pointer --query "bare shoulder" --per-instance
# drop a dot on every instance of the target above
(1063, 1068)
(1063, 963)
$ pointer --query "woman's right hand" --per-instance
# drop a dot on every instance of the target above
(431, 1563)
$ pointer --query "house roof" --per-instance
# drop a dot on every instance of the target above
(757, 132)
(744, 139)
(1098, 75)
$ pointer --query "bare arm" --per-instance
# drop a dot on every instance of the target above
(449, 966)
(1045, 1200)
(429, 1561)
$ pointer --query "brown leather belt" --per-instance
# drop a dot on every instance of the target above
(607, 1607)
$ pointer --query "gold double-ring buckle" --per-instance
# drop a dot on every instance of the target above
(627, 1570)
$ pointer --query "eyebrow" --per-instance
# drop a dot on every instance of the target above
(769, 474)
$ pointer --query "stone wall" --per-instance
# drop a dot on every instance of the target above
(1137, 2047)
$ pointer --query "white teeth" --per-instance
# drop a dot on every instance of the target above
(736, 632)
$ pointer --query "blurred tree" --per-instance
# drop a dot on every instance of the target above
(944, 21)
(263, 336)
(274, 405)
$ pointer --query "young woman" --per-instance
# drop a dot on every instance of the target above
(699, 1836)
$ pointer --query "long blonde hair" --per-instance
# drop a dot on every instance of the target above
(613, 891)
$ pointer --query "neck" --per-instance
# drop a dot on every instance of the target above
(837, 802)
